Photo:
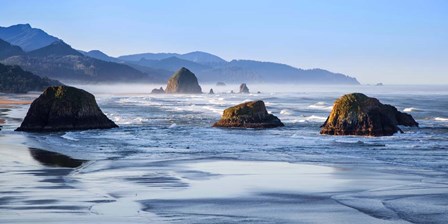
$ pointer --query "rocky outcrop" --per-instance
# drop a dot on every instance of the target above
(158, 91)
(211, 92)
(358, 114)
(248, 115)
(64, 108)
(183, 81)
(243, 88)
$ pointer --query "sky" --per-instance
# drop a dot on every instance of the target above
(393, 42)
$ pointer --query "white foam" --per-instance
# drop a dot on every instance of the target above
(173, 125)
(410, 109)
(69, 136)
(321, 106)
(441, 119)
(285, 112)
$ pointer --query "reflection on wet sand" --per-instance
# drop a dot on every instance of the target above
(54, 159)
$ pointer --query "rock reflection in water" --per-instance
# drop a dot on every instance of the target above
(54, 159)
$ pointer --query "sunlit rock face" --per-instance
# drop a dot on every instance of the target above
(183, 81)
(358, 114)
(62, 108)
(248, 115)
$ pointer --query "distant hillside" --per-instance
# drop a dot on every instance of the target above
(59, 61)
(26, 37)
(8, 50)
(46, 55)
(15, 80)
(100, 56)
(197, 57)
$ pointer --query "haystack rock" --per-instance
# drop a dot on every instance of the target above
(248, 115)
(243, 88)
(211, 92)
(358, 114)
(158, 91)
(64, 108)
(183, 81)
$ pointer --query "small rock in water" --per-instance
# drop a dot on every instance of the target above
(243, 88)
(158, 91)
(358, 114)
(248, 115)
(211, 92)
(63, 108)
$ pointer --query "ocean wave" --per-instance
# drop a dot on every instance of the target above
(69, 136)
(410, 109)
(312, 118)
(173, 125)
(321, 106)
(285, 112)
(441, 119)
(125, 120)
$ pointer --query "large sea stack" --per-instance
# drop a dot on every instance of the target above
(183, 81)
(64, 108)
(248, 115)
(358, 114)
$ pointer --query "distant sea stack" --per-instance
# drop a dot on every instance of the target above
(64, 108)
(183, 81)
(358, 114)
(211, 92)
(243, 88)
(220, 84)
(248, 115)
(158, 91)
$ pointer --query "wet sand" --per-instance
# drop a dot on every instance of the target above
(49, 187)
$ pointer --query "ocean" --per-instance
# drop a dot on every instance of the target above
(166, 164)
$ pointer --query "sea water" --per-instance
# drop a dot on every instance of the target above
(167, 162)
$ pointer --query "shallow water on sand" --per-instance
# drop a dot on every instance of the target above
(166, 164)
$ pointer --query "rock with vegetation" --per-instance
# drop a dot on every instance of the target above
(211, 91)
(64, 108)
(14, 79)
(243, 88)
(183, 81)
(158, 91)
(248, 115)
(358, 114)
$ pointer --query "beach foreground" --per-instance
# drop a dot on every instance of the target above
(180, 170)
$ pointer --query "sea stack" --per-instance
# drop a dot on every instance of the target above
(183, 81)
(158, 91)
(358, 114)
(64, 108)
(211, 92)
(220, 84)
(248, 115)
(243, 88)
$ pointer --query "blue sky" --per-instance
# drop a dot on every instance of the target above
(375, 41)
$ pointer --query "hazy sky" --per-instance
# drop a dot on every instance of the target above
(375, 41)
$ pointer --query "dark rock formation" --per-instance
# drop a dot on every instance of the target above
(211, 92)
(357, 114)
(243, 88)
(248, 115)
(158, 91)
(220, 84)
(183, 81)
(63, 108)
(14, 79)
